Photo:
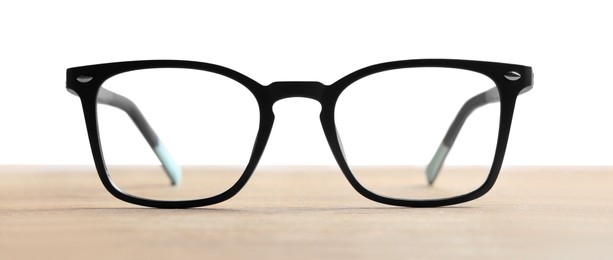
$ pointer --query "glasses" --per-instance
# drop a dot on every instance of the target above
(214, 123)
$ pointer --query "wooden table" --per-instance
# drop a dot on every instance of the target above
(58, 212)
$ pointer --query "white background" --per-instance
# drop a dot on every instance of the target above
(567, 119)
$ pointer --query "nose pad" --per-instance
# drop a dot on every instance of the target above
(340, 143)
(297, 137)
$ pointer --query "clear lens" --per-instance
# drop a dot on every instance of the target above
(392, 123)
(205, 124)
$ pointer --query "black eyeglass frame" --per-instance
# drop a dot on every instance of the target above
(511, 80)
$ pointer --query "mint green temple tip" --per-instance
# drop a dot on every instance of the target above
(436, 163)
(170, 165)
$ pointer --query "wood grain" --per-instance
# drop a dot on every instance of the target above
(59, 212)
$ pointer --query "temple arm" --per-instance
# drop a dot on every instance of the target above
(172, 169)
(482, 99)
